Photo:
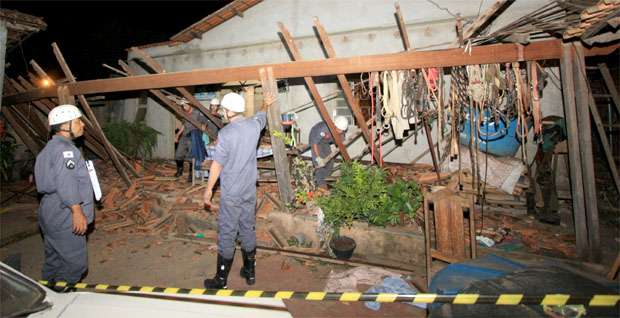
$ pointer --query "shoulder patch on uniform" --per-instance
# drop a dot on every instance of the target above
(67, 154)
(70, 164)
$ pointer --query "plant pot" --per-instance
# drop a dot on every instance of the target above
(342, 246)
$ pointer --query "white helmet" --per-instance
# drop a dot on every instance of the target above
(341, 123)
(215, 101)
(233, 102)
(62, 114)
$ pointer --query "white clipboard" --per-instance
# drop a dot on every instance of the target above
(93, 179)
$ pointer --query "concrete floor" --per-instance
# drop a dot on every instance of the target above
(153, 260)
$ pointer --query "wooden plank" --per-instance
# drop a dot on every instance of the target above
(155, 66)
(455, 230)
(442, 225)
(91, 115)
(568, 89)
(172, 106)
(484, 54)
(290, 44)
(611, 86)
(280, 158)
(346, 89)
(585, 140)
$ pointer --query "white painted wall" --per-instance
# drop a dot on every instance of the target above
(356, 27)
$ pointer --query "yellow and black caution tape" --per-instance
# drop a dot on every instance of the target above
(461, 299)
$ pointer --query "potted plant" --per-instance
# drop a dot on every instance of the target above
(362, 193)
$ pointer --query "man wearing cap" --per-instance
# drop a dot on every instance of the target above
(66, 207)
(235, 164)
(320, 140)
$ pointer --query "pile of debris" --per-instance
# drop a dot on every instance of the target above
(148, 204)
(157, 202)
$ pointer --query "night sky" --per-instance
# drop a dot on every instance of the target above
(90, 33)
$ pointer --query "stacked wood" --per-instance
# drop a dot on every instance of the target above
(592, 17)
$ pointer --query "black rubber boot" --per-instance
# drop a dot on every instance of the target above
(191, 172)
(221, 276)
(179, 168)
(248, 271)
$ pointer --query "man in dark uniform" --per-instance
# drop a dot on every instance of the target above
(66, 207)
(320, 140)
(235, 165)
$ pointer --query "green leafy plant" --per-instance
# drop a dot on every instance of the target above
(363, 193)
(136, 140)
(286, 139)
(7, 150)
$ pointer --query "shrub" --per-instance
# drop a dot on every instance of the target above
(135, 140)
(362, 193)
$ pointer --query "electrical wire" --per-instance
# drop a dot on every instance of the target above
(441, 8)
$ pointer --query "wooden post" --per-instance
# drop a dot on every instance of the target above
(91, 115)
(249, 101)
(570, 111)
(280, 158)
(290, 44)
(585, 141)
(64, 97)
(155, 66)
(344, 84)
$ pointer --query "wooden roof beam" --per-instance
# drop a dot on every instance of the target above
(484, 54)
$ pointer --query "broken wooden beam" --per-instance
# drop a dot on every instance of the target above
(611, 86)
(172, 106)
(91, 115)
(292, 47)
(155, 66)
(598, 122)
(486, 18)
(45, 105)
(346, 89)
(20, 130)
